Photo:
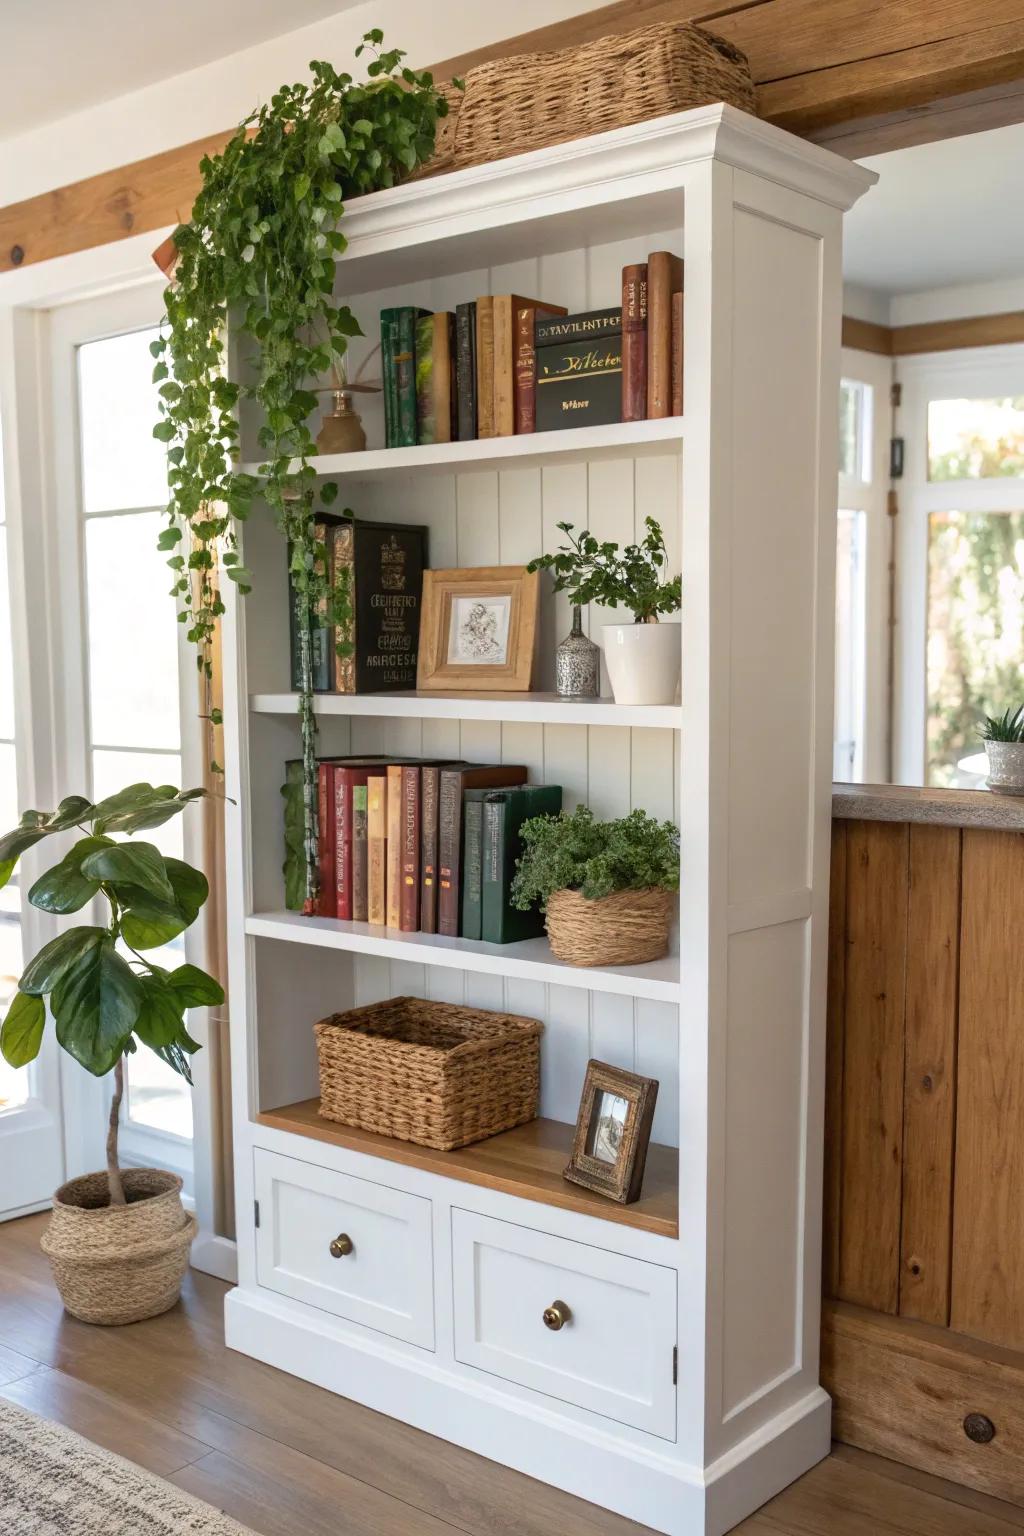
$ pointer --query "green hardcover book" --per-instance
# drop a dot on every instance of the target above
(426, 425)
(398, 334)
(472, 862)
(388, 348)
(504, 813)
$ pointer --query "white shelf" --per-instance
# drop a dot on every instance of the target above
(532, 708)
(629, 438)
(530, 960)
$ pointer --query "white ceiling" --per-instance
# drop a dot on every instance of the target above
(60, 56)
(941, 215)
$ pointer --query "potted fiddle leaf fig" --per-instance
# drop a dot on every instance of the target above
(118, 1241)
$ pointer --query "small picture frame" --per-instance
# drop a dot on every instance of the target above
(478, 629)
(613, 1132)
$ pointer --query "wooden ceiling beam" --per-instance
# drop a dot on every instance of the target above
(859, 75)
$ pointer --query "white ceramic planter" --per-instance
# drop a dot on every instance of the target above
(1006, 767)
(643, 662)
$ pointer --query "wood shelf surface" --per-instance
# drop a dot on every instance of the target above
(529, 960)
(529, 708)
(526, 1162)
(567, 446)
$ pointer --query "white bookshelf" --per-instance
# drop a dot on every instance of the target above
(685, 1392)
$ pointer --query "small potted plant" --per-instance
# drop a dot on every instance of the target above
(118, 1241)
(606, 887)
(643, 658)
(1004, 744)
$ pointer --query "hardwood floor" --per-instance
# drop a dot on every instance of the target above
(288, 1459)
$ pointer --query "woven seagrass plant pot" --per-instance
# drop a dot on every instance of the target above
(625, 928)
(119, 1263)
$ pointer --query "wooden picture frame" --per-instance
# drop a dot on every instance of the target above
(613, 1132)
(490, 611)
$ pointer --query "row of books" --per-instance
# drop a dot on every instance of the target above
(503, 364)
(425, 846)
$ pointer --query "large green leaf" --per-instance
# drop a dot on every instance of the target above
(34, 826)
(148, 923)
(141, 807)
(131, 864)
(190, 887)
(22, 1032)
(95, 1007)
(64, 888)
(195, 988)
(176, 1057)
(159, 1022)
(43, 973)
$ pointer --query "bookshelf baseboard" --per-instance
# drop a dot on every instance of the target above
(526, 1162)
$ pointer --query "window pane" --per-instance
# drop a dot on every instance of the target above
(158, 1097)
(975, 439)
(848, 720)
(133, 634)
(123, 465)
(849, 428)
(13, 1085)
(975, 633)
(112, 771)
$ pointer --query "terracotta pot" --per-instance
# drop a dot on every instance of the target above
(119, 1263)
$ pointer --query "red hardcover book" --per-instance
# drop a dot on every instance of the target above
(449, 854)
(677, 354)
(326, 903)
(634, 342)
(524, 362)
(429, 792)
(409, 898)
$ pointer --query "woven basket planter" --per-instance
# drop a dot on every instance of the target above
(532, 100)
(626, 928)
(119, 1263)
(431, 1073)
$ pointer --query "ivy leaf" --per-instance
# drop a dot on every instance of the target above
(64, 888)
(131, 864)
(95, 1006)
(22, 1032)
(43, 973)
(164, 431)
(168, 538)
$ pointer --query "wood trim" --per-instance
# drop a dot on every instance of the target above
(949, 335)
(909, 71)
(866, 336)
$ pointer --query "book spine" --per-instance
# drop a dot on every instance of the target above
(449, 832)
(343, 844)
(388, 348)
(465, 370)
(677, 353)
(343, 641)
(634, 342)
(360, 910)
(472, 869)
(492, 879)
(526, 371)
(485, 367)
(394, 848)
(405, 377)
(386, 589)
(325, 904)
(555, 327)
(428, 849)
(441, 377)
(409, 904)
(664, 277)
(376, 837)
(504, 367)
(579, 384)
(426, 423)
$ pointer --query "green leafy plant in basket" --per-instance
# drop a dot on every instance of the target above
(105, 996)
(260, 247)
(605, 886)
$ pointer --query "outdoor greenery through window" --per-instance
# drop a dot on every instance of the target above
(976, 439)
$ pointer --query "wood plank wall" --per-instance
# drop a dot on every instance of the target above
(925, 1120)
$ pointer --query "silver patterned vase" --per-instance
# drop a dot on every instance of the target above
(578, 663)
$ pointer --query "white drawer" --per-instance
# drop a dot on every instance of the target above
(385, 1281)
(612, 1355)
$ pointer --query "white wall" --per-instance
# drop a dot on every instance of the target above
(206, 100)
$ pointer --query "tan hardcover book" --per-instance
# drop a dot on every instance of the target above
(505, 308)
(485, 367)
(677, 354)
(377, 837)
(393, 859)
(345, 558)
(664, 278)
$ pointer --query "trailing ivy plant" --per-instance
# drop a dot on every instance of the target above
(579, 853)
(594, 572)
(260, 248)
(106, 996)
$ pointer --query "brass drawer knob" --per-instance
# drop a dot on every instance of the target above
(341, 1246)
(556, 1316)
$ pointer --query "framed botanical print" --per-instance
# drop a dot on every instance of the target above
(478, 629)
(613, 1132)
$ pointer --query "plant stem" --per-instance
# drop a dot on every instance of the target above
(113, 1169)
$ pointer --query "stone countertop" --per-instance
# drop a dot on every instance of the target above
(936, 807)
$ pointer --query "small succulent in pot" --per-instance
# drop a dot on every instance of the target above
(643, 658)
(606, 887)
(1003, 736)
(118, 1241)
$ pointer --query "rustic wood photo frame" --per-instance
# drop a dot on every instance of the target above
(502, 601)
(613, 1132)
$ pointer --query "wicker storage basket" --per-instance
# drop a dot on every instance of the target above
(432, 1073)
(626, 928)
(532, 100)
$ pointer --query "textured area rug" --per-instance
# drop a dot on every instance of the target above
(54, 1483)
